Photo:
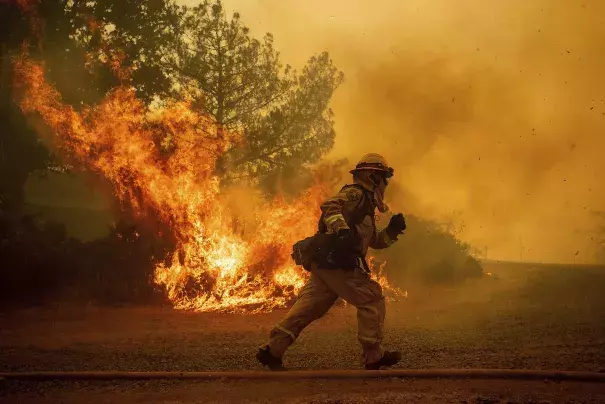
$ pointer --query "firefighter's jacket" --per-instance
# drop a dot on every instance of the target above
(353, 207)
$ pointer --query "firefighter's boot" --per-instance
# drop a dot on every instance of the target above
(266, 359)
(389, 358)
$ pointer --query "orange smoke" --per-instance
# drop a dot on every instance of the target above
(161, 165)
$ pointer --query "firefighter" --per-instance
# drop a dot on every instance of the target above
(340, 270)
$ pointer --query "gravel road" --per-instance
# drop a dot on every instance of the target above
(523, 317)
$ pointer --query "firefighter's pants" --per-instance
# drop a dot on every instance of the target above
(322, 290)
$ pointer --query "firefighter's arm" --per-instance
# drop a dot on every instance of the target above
(387, 236)
(382, 239)
(333, 208)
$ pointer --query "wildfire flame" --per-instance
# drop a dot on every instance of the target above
(214, 267)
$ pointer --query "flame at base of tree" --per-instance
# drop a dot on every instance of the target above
(161, 166)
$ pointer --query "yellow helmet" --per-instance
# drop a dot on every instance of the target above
(374, 161)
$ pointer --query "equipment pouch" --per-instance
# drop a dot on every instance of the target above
(302, 253)
(325, 251)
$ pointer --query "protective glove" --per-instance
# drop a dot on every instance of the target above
(396, 225)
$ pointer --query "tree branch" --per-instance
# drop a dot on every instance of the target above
(256, 108)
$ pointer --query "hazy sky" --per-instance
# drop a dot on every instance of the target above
(491, 112)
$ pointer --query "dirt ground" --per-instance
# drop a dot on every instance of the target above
(522, 317)
(316, 392)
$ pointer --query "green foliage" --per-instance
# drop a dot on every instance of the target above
(66, 62)
(197, 54)
(298, 130)
(66, 35)
(227, 72)
(241, 83)
(136, 33)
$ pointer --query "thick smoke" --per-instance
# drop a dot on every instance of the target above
(492, 113)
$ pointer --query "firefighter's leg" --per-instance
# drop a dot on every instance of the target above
(314, 300)
(358, 289)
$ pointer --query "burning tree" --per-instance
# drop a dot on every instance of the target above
(212, 266)
(174, 53)
(62, 34)
(121, 111)
(197, 53)
(239, 81)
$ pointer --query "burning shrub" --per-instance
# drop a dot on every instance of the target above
(178, 195)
